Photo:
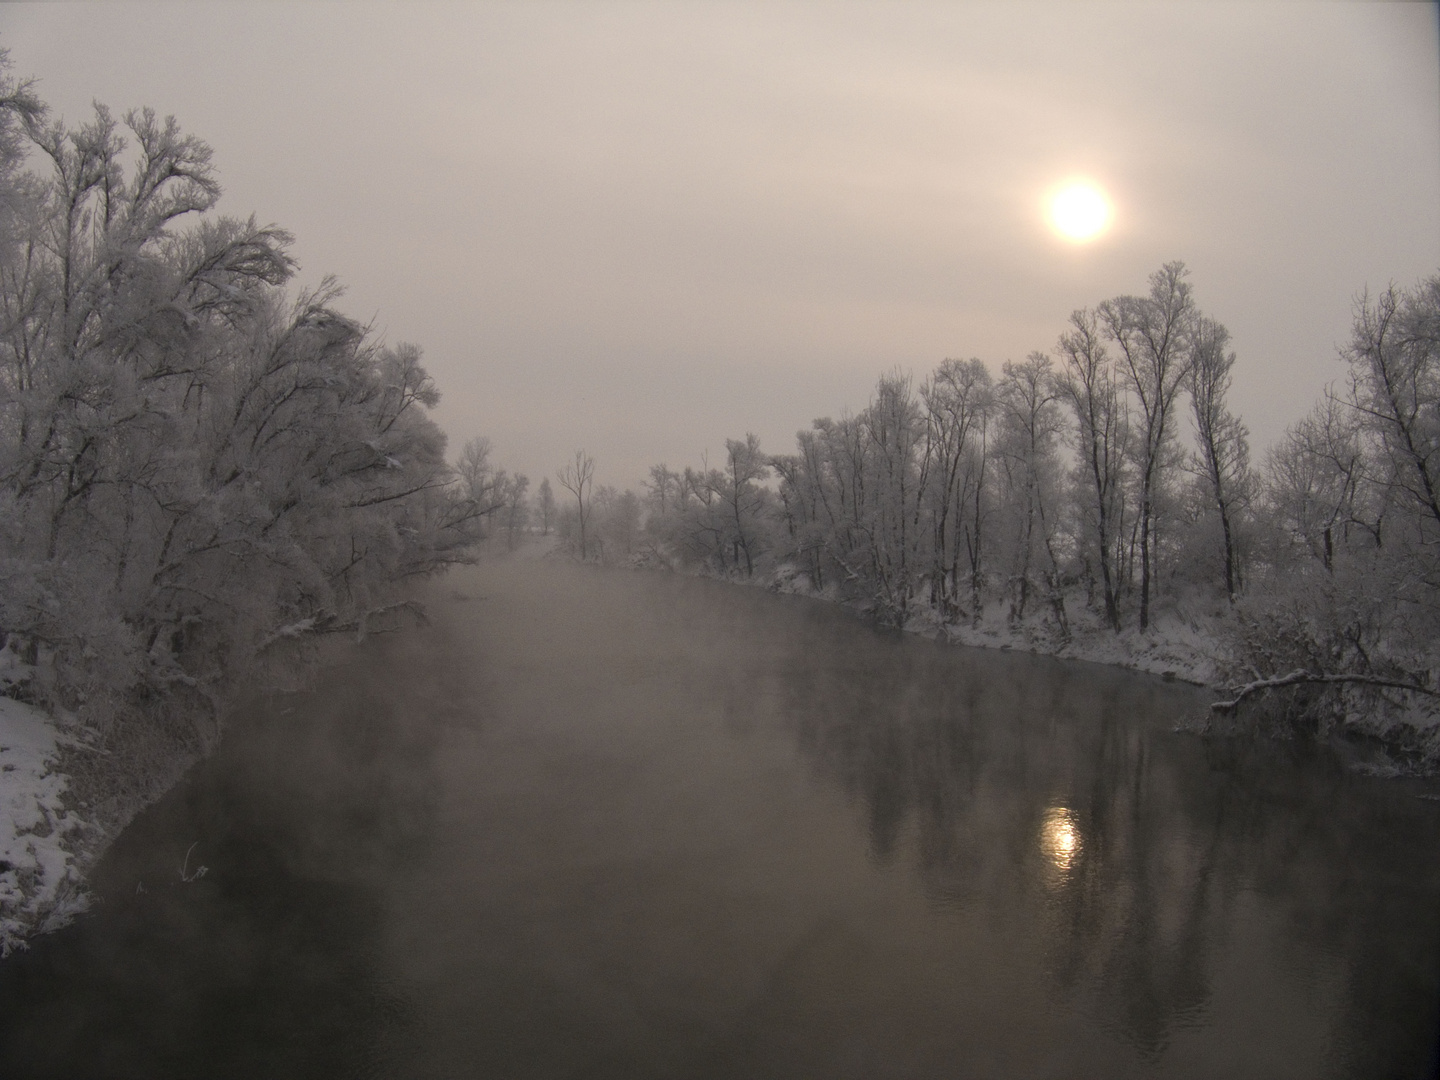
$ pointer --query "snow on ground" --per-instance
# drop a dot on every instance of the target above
(1176, 645)
(1179, 644)
(39, 886)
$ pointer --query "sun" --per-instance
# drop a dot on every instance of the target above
(1079, 211)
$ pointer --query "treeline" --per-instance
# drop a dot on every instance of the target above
(196, 470)
(1111, 480)
(1064, 474)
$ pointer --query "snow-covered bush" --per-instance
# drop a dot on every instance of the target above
(194, 468)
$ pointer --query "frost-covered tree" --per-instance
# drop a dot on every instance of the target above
(1152, 334)
(1319, 497)
(516, 507)
(1091, 386)
(545, 506)
(664, 488)
(965, 494)
(1344, 627)
(898, 464)
(1223, 452)
(1394, 358)
(615, 524)
(578, 478)
(738, 489)
(1031, 423)
(193, 467)
(958, 399)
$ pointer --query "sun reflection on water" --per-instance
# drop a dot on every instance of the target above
(1060, 837)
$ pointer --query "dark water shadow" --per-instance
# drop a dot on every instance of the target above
(263, 962)
(1020, 787)
(616, 825)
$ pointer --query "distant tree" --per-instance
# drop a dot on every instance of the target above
(1318, 486)
(577, 478)
(812, 517)
(1031, 423)
(516, 509)
(1223, 456)
(958, 400)
(1089, 383)
(665, 488)
(616, 523)
(738, 488)
(477, 478)
(482, 486)
(546, 506)
(1153, 336)
(898, 457)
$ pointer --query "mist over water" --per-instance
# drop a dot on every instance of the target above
(607, 824)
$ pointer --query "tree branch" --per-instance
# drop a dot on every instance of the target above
(1296, 678)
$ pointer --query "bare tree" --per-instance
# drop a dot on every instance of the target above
(517, 507)
(663, 485)
(546, 499)
(615, 523)
(899, 458)
(958, 399)
(1394, 358)
(1031, 425)
(738, 487)
(1089, 383)
(806, 505)
(1152, 334)
(577, 478)
(1224, 450)
(1318, 487)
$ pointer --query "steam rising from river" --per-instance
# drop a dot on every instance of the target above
(627, 824)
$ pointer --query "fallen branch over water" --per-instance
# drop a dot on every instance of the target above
(1296, 678)
(329, 623)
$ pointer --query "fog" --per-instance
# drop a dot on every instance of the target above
(590, 822)
(645, 228)
(528, 527)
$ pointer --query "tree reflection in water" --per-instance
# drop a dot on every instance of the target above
(1056, 801)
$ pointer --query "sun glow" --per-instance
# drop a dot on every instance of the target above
(1079, 211)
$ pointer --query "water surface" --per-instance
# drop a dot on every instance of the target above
(606, 824)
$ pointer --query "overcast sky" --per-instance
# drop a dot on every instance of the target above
(643, 228)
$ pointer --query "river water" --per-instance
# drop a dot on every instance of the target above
(606, 824)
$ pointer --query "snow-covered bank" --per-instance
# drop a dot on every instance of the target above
(1175, 646)
(1193, 642)
(40, 880)
(1384, 739)
(1179, 644)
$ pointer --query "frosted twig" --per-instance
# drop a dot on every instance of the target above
(1296, 678)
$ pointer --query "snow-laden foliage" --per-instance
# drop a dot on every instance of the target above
(1070, 493)
(1052, 483)
(192, 464)
(38, 880)
(1347, 589)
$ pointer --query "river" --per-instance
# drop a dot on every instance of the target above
(595, 823)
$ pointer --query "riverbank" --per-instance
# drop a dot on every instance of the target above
(43, 841)
(1181, 643)
(1185, 643)
(64, 800)
(66, 793)
(751, 822)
